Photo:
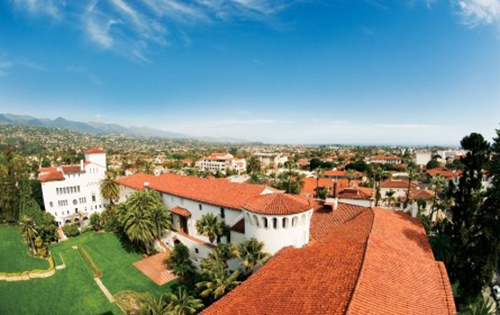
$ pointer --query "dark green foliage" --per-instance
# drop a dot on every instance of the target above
(12, 169)
(179, 261)
(359, 166)
(470, 241)
(95, 221)
(27, 204)
(71, 229)
(433, 164)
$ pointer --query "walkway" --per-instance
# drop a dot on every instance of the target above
(154, 268)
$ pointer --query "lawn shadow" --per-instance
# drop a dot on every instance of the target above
(127, 244)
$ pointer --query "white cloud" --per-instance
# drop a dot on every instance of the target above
(8, 62)
(478, 12)
(133, 27)
(40, 7)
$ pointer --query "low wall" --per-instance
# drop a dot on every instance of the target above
(28, 275)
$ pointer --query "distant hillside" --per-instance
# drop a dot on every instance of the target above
(103, 128)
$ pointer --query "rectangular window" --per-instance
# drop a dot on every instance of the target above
(199, 206)
(222, 213)
(93, 198)
(51, 204)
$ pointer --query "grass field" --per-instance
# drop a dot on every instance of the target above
(14, 252)
(73, 290)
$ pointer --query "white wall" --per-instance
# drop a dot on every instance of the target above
(355, 202)
(295, 233)
(88, 184)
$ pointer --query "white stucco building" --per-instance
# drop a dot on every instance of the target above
(271, 159)
(71, 192)
(276, 219)
(385, 159)
(222, 162)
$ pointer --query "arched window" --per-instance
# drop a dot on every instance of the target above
(294, 221)
(255, 220)
(275, 223)
(285, 223)
(264, 222)
(303, 219)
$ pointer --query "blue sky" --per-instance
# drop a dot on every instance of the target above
(366, 71)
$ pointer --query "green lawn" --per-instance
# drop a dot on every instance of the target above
(73, 290)
(14, 252)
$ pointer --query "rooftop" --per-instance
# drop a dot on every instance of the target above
(366, 261)
(95, 150)
(278, 204)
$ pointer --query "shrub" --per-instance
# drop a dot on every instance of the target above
(70, 230)
(43, 252)
(179, 261)
(95, 221)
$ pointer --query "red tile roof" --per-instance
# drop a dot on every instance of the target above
(448, 174)
(399, 274)
(279, 204)
(385, 157)
(397, 183)
(324, 220)
(361, 193)
(48, 176)
(216, 192)
(335, 173)
(136, 181)
(95, 150)
(309, 187)
(372, 261)
(181, 211)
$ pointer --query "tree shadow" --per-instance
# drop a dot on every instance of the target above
(127, 244)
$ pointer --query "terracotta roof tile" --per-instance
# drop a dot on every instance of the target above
(397, 183)
(136, 181)
(279, 204)
(95, 150)
(216, 192)
(181, 211)
(364, 261)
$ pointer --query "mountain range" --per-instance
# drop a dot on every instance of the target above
(103, 128)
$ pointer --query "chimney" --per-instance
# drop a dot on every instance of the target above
(336, 202)
(335, 195)
(414, 210)
(81, 165)
(146, 184)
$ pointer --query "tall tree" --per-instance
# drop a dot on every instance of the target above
(253, 165)
(218, 281)
(210, 226)
(28, 206)
(473, 229)
(251, 252)
(412, 175)
(12, 169)
(142, 217)
(319, 173)
(110, 189)
(179, 261)
(181, 303)
(28, 231)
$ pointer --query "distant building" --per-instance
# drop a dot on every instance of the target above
(222, 162)
(71, 193)
(422, 158)
(271, 159)
(449, 155)
(385, 159)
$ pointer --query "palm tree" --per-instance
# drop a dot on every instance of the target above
(438, 183)
(210, 226)
(148, 167)
(291, 166)
(150, 305)
(139, 227)
(319, 173)
(161, 221)
(179, 261)
(378, 175)
(412, 175)
(251, 254)
(479, 307)
(219, 255)
(218, 282)
(253, 165)
(29, 232)
(110, 189)
(183, 304)
(389, 197)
